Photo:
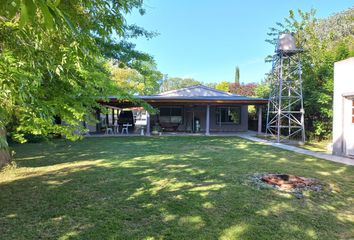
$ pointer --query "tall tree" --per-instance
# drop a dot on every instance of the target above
(141, 78)
(237, 75)
(53, 62)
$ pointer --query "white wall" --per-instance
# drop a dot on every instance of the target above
(343, 88)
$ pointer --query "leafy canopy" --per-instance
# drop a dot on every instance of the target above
(53, 61)
(143, 79)
(222, 86)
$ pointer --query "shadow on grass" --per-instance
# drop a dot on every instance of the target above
(174, 188)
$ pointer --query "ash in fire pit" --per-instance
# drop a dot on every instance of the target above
(288, 182)
(284, 182)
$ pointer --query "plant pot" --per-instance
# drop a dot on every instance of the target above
(154, 132)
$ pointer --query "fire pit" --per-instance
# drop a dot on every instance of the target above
(288, 182)
(285, 183)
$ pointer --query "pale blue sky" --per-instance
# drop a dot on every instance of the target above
(206, 39)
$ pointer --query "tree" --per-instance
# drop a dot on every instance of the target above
(324, 42)
(222, 86)
(262, 90)
(53, 63)
(152, 78)
(243, 89)
(143, 79)
(177, 83)
(237, 75)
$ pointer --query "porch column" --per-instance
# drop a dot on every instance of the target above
(98, 120)
(147, 123)
(207, 122)
(107, 120)
(259, 119)
(112, 116)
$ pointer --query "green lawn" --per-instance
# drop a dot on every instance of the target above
(312, 145)
(168, 188)
(316, 146)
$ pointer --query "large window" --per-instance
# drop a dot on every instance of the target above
(171, 115)
(228, 115)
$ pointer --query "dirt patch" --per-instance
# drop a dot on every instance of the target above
(288, 182)
(285, 182)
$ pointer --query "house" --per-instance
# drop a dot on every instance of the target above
(343, 108)
(197, 109)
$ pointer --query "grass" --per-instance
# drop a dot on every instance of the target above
(317, 146)
(313, 145)
(168, 188)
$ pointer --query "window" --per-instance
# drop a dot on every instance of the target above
(228, 115)
(171, 115)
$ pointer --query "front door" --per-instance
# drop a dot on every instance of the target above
(349, 131)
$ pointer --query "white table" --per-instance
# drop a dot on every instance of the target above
(125, 127)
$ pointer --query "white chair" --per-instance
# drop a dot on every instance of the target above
(125, 128)
(116, 128)
(109, 130)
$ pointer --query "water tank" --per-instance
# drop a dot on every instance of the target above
(286, 43)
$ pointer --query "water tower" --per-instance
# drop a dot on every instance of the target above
(285, 116)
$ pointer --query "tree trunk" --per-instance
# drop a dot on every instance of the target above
(5, 156)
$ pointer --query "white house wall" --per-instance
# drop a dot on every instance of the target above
(343, 89)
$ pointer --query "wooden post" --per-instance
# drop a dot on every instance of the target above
(259, 119)
(147, 123)
(207, 123)
(112, 116)
(98, 118)
(107, 119)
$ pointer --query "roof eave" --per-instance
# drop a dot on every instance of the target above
(210, 101)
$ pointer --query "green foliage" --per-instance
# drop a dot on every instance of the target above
(177, 83)
(143, 79)
(53, 61)
(325, 42)
(262, 90)
(151, 77)
(222, 86)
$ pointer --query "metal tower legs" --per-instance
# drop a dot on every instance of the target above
(285, 116)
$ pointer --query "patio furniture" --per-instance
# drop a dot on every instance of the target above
(125, 128)
(109, 130)
(116, 128)
(142, 131)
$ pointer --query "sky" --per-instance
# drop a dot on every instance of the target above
(206, 39)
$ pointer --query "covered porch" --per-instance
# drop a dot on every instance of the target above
(192, 110)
